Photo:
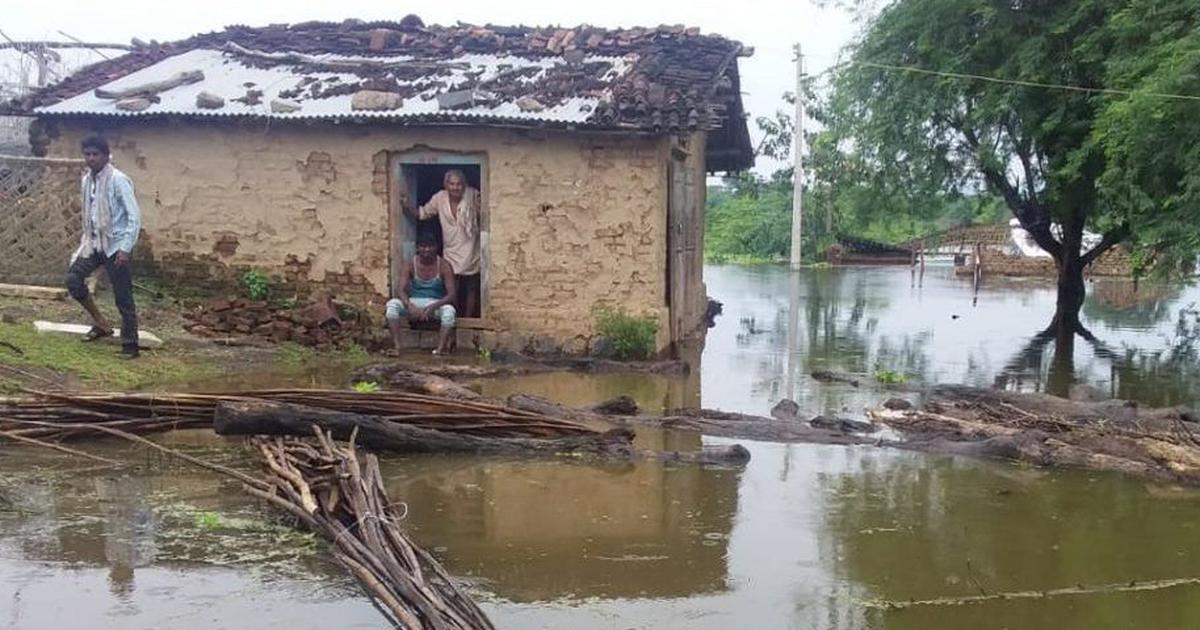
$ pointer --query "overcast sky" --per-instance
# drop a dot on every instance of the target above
(770, 27)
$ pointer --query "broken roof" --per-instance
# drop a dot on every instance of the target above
(657, 80)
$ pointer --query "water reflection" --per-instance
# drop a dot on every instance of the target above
(910, 529)
(779, 326)
(554, 531)
(800, 538)
(160, 544)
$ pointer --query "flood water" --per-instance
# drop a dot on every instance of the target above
(804, 537)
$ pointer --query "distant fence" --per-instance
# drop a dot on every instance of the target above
(39, 218)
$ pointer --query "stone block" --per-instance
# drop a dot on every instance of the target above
(372, 100)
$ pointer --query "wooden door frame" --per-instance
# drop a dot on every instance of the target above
(400, 224)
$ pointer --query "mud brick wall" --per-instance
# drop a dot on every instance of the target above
(574, 220)
(39, 218)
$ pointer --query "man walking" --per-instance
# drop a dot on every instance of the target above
(111, 221)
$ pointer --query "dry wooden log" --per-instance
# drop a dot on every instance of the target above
(152, 88)
(408, 381)
(379, 433)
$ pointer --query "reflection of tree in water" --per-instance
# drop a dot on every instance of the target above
(1162, 377)
(1165, 377)
(842, 329)
(541, 531)
(915, 527)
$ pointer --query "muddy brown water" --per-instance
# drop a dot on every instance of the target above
(804, 537)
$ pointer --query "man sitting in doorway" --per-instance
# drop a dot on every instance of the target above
(457, 208)
(426, 291)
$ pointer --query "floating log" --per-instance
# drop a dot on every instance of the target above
(383, 434)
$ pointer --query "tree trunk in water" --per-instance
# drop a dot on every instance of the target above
(1071, 289)
(1071, 292)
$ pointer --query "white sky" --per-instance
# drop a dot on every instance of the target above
(770, 27)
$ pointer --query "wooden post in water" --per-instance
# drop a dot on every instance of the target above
(977, 273)
(921, 279)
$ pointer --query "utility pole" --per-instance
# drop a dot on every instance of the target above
(798, 171)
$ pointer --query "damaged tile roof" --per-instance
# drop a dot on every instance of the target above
(668, 79)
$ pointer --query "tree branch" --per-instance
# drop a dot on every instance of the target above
(1022, 145)
(1110, 239)
(1033, 216)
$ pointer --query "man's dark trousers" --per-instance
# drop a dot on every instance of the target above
(121, 278)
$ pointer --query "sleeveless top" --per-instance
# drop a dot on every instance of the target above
(433, 289)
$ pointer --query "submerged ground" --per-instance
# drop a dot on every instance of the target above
(804, 537)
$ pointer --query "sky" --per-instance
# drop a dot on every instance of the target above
(771, 28)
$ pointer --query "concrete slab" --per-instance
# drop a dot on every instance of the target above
(145, 339)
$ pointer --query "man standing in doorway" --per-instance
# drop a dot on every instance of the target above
(457, 208)
(111, 222)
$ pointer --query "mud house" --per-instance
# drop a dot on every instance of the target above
(287, 149)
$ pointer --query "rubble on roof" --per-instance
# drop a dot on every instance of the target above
(664, 79)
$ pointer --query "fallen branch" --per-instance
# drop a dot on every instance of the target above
(62, 449)
(351, 509)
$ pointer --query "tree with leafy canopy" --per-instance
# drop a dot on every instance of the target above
(1078, 113)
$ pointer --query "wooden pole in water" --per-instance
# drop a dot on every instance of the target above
(921, 281)
(977, 273)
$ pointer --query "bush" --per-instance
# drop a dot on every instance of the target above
(256, 284)
(629, 337)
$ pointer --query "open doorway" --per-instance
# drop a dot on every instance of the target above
(419, 178)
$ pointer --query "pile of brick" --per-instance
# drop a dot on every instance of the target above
(321, 324)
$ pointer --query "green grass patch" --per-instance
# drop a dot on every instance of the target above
(294, 355)
(97, 364)
(889, 377)
(631, 337)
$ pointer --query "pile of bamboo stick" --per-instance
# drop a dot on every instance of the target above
(339, 494)
(57, 415)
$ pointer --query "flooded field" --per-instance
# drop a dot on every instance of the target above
(804, 537)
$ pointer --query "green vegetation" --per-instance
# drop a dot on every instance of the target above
(888, 377)
(256, 284)
(748, 217)
(1089, 118)
(96, 364)
(293, 355)
(630, 337)
(208, 520)
(366, 387)
(1116, 157)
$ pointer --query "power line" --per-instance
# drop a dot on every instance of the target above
(1018, 82)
